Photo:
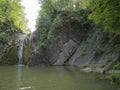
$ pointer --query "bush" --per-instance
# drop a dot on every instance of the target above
(115, 77)
(43, 38)
(102, 65)
(117, 66)
(98, 51)
(3, 37)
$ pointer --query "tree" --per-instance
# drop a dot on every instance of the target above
(106, 12)
(58, 13)
(11, 12)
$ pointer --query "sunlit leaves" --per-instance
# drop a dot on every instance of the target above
(106, 12)
(12, 11)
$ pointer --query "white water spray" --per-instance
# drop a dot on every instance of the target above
(20, 51)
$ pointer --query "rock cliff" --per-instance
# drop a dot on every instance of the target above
(93, 48)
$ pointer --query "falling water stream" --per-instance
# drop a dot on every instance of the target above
(20, 61)
(20, 51)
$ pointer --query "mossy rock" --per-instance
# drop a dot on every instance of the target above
(10, 56)
(26, 52)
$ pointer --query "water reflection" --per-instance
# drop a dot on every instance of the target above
(19, 77)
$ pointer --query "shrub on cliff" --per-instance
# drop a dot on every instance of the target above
(3, 37)
(61, 13)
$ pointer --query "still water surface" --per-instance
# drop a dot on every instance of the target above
(50, 78)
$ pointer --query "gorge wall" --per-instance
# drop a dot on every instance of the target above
(9, 44)
(69, 45)
(82, 47)
(64, 36)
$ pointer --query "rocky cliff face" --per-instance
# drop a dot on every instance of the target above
(94, 48)
(9, 43)
(9, 53)
(80, 47)
(59, 48)
(99, 51)
(32, 54)
(67, 52)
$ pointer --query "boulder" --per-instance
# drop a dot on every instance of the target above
(67, 51)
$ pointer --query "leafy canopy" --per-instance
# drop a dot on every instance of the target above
(12, 11)
(106, 12)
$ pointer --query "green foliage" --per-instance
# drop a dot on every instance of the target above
(98, 50)
(117, 66)
(43, 38)
(106, 12)
(76, 17)
(12, 11)
(55, 14)
(115, 77)
(3, 37)
(50, 35)
(102, 65)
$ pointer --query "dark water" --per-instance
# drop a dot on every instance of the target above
(50, 78)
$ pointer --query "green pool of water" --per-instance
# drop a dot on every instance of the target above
(50, 78)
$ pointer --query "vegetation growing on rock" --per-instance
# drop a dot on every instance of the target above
(12, 22)
(64, 13)
(9, 56)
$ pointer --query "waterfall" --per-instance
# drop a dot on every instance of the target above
(20, 51)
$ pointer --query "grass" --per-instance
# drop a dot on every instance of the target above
(114, 77)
